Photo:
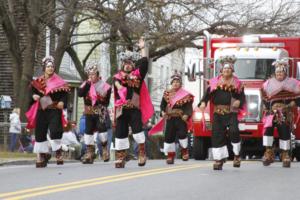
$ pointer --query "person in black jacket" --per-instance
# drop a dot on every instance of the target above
(227, 97)
(133, 105)
(96, 94)
(281, 95)
(50, 96)
(176, 107)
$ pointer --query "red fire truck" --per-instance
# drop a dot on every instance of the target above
(255, 55)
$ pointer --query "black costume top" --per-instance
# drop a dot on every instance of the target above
(84, 92)
(133, 80)
(223, 96)
(38, 87)
(185, 104)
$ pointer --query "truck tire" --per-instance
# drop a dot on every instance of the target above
(296, 153)
(200, 148)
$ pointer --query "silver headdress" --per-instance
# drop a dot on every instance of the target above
(227, 61)
(281, 65)
(47, 59)
(176, 76)
(91, 68)
(129, 55)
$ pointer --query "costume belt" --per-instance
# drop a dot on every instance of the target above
(221, 109)
(129, 105)
(175, 113)
(92, 110)
(279, 107)
(51, 106)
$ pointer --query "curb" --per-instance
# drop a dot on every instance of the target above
(30, 162)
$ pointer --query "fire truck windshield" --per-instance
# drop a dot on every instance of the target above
(251, 68)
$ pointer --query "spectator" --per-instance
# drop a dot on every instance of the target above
(70, 140)
(15, 128)
(82, 125)
(81, 133)
(26, 143)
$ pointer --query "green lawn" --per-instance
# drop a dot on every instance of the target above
(4, 154)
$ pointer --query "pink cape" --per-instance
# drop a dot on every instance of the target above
(146, 106)
(214, 83)
(54, 82)
(272, 86)
(93, 93)
(180, 94)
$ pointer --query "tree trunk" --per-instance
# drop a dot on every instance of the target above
(65, 35)
(28, 67)
(34, 8)
(10, 29)
(72, 53)
(113, 51)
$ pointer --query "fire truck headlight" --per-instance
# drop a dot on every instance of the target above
(197, 116)
(253, 106)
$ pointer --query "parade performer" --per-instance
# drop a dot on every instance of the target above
(226, 96)
(280, 94)
(177, 108)
(133, 105)
(46, 112)
(96, 94)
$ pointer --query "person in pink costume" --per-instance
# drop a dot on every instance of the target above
(227, 98)
(49, 98)
(96, 94)
(280, 96)
(177, 108)
(133, 105)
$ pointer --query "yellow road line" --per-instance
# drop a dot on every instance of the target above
(168, 170)
(90, 180)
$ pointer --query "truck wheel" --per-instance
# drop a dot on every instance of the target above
(296, 153)
(200, 148)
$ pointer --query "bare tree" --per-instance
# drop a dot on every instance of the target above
(173, 24)
(168, 25)
(25, 38)
(23, 56)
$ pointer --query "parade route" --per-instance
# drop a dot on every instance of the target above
(155, 181)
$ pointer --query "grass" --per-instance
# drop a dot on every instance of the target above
(17, 155)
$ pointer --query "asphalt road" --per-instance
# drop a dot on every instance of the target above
(184, 180)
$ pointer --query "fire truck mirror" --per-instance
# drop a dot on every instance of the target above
(191, 72)
(298, 71)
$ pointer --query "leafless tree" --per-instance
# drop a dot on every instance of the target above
(167, 24)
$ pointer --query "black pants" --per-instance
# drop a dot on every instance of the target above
(175, 126)
(283, 131)
(48, 119)
(222, 124)
(93, 123)
(130, 117)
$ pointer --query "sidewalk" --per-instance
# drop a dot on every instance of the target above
(15, 161)
(9, 159)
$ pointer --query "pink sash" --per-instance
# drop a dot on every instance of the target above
(146, 106)
(180, 94)
(54, 82)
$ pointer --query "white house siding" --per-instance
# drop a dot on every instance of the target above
(162, 69)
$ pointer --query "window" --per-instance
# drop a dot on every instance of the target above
(251, 68)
